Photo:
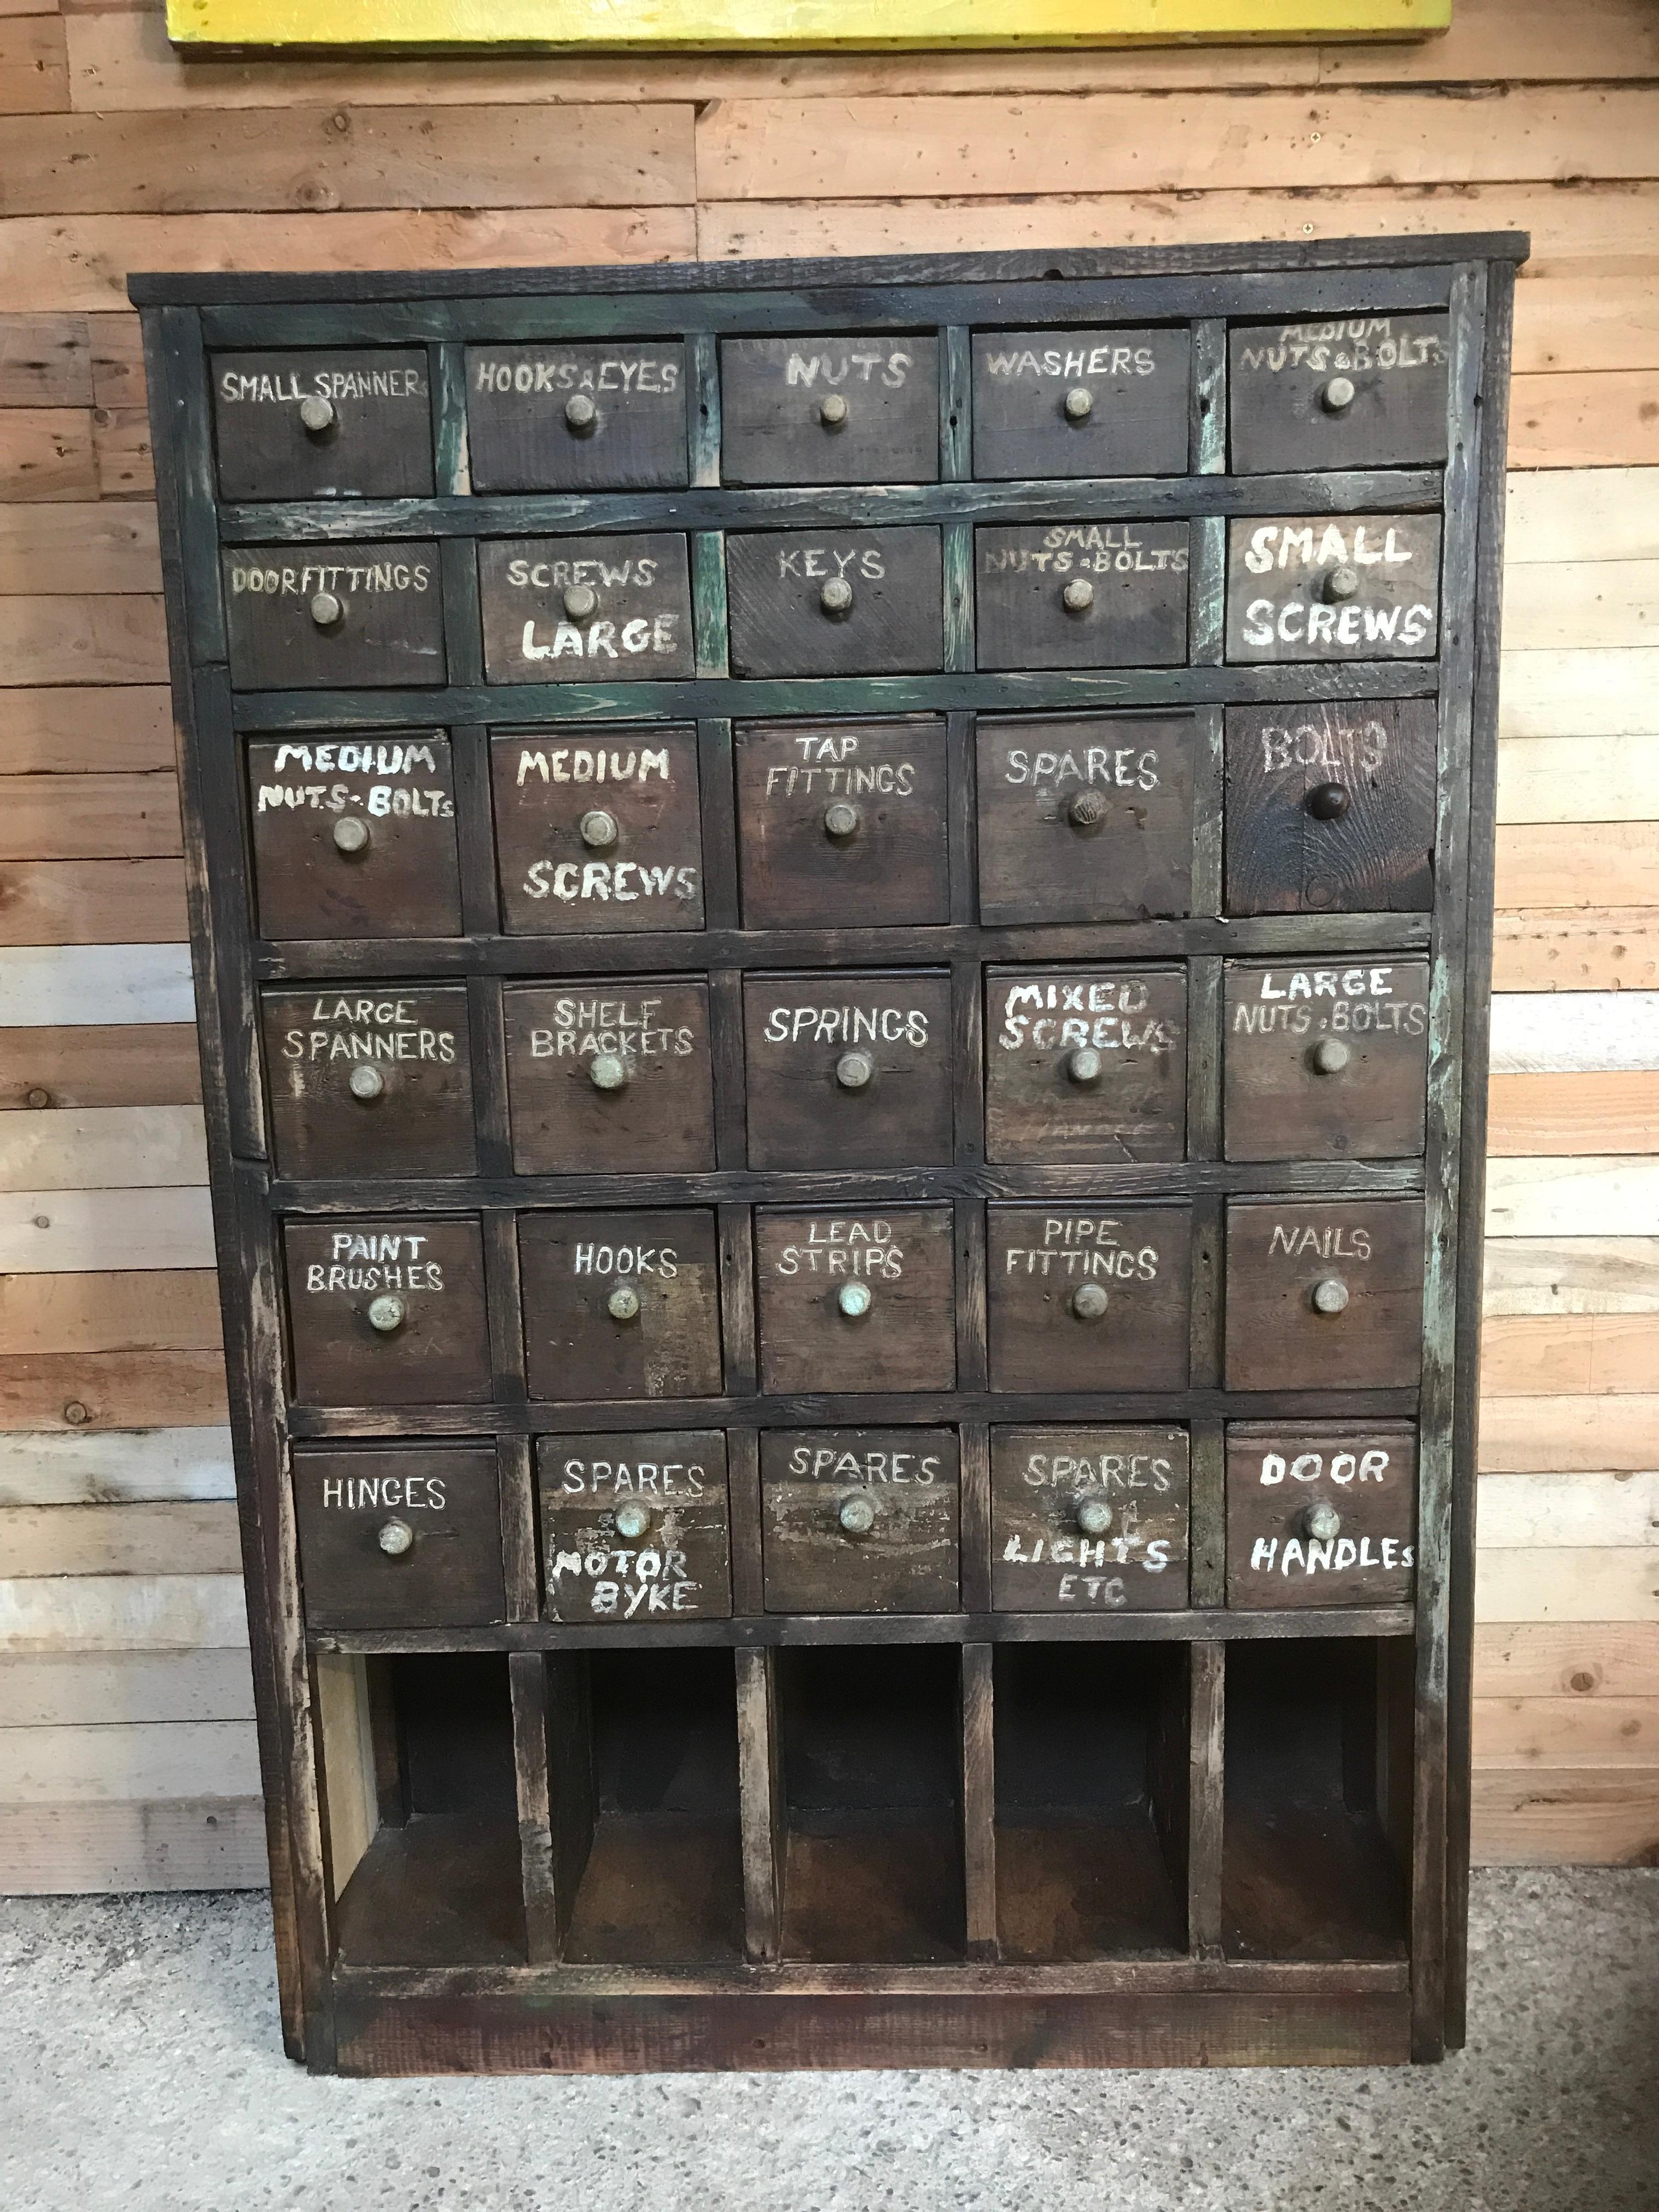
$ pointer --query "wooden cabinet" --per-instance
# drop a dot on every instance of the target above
(835, 602)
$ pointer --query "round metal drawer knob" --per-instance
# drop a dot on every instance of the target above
(598, 828)
(1331, 1295)
(580, 600)
(580, 413)
(837, 597)
(1083, 1065)
(395, 1537)
(856, 1515)
(1341, 584)
(1094, 1516)
(854, 1070)
(1080, 403)
(350, 836)
(1330, 1056)
(1087, 811)
(608, 1071)
(841, 819)
(386, 1314)
(632, 1520)
(317, 415)
(1089, 1301)
(1327, 802)
(832, 411)
(1338, 395)
(1078, 596)
(366, 1082)
(623, 1302)
(325, 610)
(1321, 1520)
(854, 1300)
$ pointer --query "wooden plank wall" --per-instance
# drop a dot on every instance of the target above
(126, 1750)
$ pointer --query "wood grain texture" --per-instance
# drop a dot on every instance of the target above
(123, 1612)
(1563, 1733)
(1542, 1819)
(85, 817)
(87, 1231)
(111, 1390)
(1573, 1112)
(1564, 779)
(1582, 515)
(1520, 1434)
(61, 730)
(84, 638)
(176, 1311)
(34, 65)
(1562, 1659)
(1573, 1275)
(1584, 605)
(100, 1688)
(87, 1467)
(90, 902)
(1578, 692)
(1599, 420)
(1542, 865)
(1589, 1197)
(104, 1147)
(1520, 1510)
(1567, 323)
(1607, 1033)
(94, 986)
(147, 1064)
(46, 360)
(47, 453)
(75, 546)
(1572, 952)
(113, 1764)
(173, 1539)
(52, 1849)
(1568, 1584)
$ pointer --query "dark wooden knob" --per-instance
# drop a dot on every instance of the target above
(1327, 802)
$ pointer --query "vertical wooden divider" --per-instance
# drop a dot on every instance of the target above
(979, 1839)
(1207, 1783)
(760, 1795)
(527, 1677)
(516, 1483)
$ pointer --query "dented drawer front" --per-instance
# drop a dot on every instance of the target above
(1081, 594)
(1089, 1519)
(1364, 391)
(387, 1312)
(1085, 1065)
(1085, 817)
(855, 1301)
(1080, 403)
(634, 1528)
(597, 829)
(552, 417)
(1333, 587)
(830, 411)
(1325, 1295)
(611, 1076)
(848, 1070)
(399, 1535)
(621, 1304)
(323, 425)
(1330, 809)
(842, 825)
(585, 609)
(835, 602)
(860, 1520)
(328, 617)
(1326, 1062)
(1320, 1514)
(355, 837)
(375, 1082)
(1089, 1297)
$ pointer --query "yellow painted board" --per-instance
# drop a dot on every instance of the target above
(555, 24)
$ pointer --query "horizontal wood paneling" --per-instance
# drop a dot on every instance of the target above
(1562, 1659)
(1555, 1197)
(82, 1688)
(1518, 1510)
(47, 453)
(155, 1064)
(1566, 323)
(112, 1763)
(172, 1844)
(1537, 1033)
(95, 986)
(1573, 1583)
(1583, 604)
(77, 1232)
(1594, 421)
(46, 360)
(1561, 514)
(82, 638)
(104, 1148)
(1573, 1112)
(88, 817)
(1575, 692)
(1546, 1355)
(84, 1468)
(1540, 1819)
(111, 1390)
(78, 547)
(123, 1612)
(90, 902)
(1556, 779)
(121, 1539)
(1565, 1732)
(140, 1312)
(1597, 950)
(1542, 865)
(34, 65)
(1523, 1435)
(1573, 1275)
(62, 730)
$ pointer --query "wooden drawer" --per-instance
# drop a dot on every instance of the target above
(830, 411)
(399, 1535)
(1089, 1519)
(1084, 817)
(1089, 1297)
(1081, 594)
(355, 837)
(329, 617)
(551, 417)
(609, 1075)
(1330, 809)
(1363, 392)
(597, 829)
(387, 1312)
(1325, 1294)
(621, 1304)
(1080, 403)
(323, 425)
(1333, 587)
(848, 1070)
(1085, 1065)
(860, 1520)
(374, 1081)
(634, 1527)
(1320, 1514)
(1325, 1063)
(842, 825)
(569, 609)
(836, 603)
(850, 1301)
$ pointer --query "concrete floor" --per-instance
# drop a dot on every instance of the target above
(139, 2069)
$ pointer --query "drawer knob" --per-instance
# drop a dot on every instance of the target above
(317, 415)
(580, 600)
(386, 1314)
(1338, 395)
(1080, 403)
(837, 597)
(579, 414)
(1078, 596)
(1094, 1516)
(327, 610)
(1327, 802)
(350, 835)
(608, 1071)
(633, 1519)
(857, 1514)
(1083, 1065)
(395, 1537)
(599, 829)
(1089, 1301)
(841, 819)
(623, 1302)
(854, 1300)
(832, 411)
(1321, 1520)
(365, 1083)
(1341, 583)
(1330, 1056)
(1087, 810)
(1331, 1295)
(854, 1070)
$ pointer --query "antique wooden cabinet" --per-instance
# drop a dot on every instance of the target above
(842, 920)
